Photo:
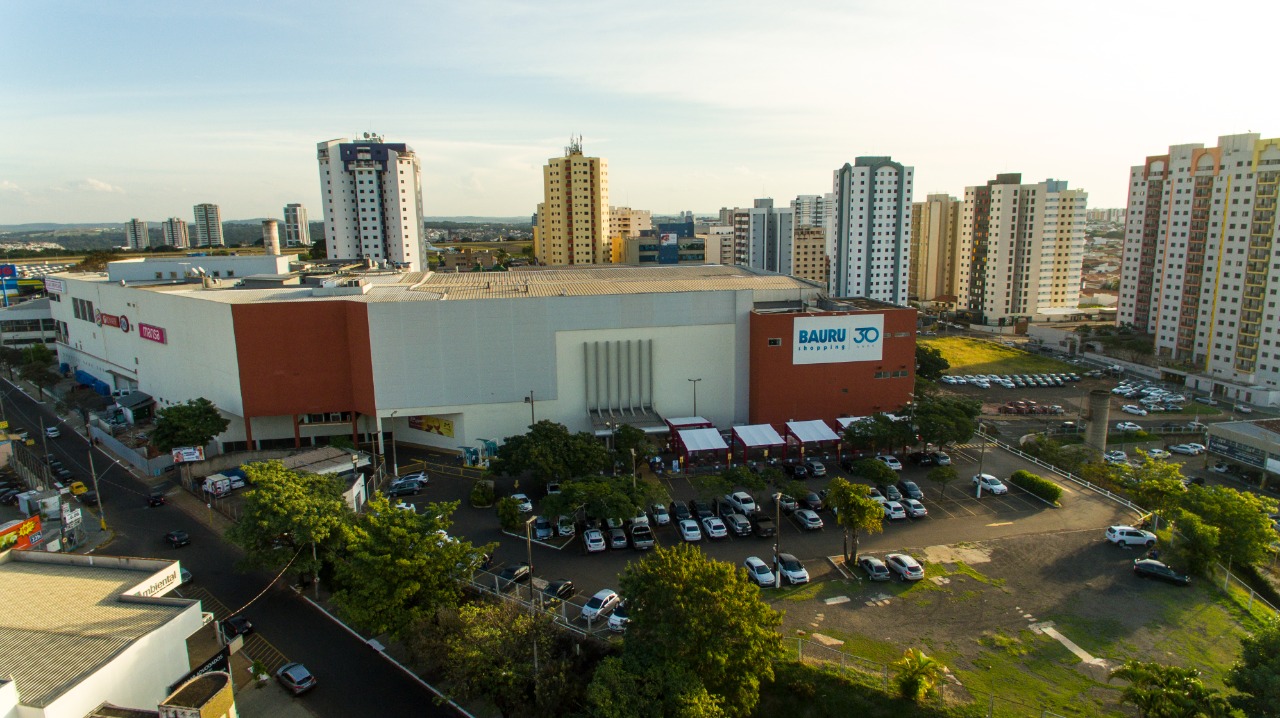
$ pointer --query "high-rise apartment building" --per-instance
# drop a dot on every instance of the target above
(719, 244)
(1200, 263)
(739, 220)
(1022, 246)
(935, 238)
(627, 222)
(869, 230)
(135, 234)
(175, 233)
(297, 229)
(809, 254)
(810, 210)
(372, 192)
(770, 232)
(208, 225)
(573, 218)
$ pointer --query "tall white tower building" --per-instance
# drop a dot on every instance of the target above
(208, 225)
(372, 194)
(135, 234)
(770, 234)
(869, 230)
(175, 233)
(297, 230)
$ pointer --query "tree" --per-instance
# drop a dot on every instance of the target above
(917, 674)
(12, 358)
(628, 438)
(1198, 544)
(620, 689)
(1257, 674)
(491, 654)
(855, 511)
(39, 374)
(942, 475)
(1160, 691)
(95, 262)
(878, 432)
(286, 512)
(400, 567)
(1245, 532)
(194, 423)
(1159, 486)
(509, 517)
(549, 452)
(947, 419)
(875, 471)
(702, 618)
(929, 363)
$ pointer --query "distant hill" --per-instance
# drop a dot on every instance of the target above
(468, 219)
(53, 226)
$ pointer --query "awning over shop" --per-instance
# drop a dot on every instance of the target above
(694, 440)
(689, 422)
(811, 431)
(135, 399)
(758, 435)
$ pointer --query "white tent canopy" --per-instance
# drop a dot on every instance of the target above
(757, 435)
(845, 421)
(688, 421)
(807, 431)
(702, 440)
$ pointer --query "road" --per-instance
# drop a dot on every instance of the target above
(351, 675)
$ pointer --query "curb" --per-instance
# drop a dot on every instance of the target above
(383, 652)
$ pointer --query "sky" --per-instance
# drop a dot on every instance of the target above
(143, 109)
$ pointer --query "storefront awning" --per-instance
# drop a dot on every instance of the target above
(702, 440)
(685, 421)
(757, 435)
(811, 431)
(134, 400)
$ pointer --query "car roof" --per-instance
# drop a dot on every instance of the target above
(604, 593)
(755, 561)
(872, 560)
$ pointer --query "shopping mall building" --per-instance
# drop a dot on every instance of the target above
(449, 360)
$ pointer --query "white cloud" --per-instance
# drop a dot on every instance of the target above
(95, 185)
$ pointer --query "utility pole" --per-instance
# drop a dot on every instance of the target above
(533, 419)
(777, 539)
(102, 511)
(695, 394)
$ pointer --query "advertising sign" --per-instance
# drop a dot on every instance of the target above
(838, 340)
(54, 286)
(221, 661)
(159, 584)
(669, 249)
(187, 453)
(106, 320)
(432, 424)
(72, 519)
(21, 534)
(150, 333)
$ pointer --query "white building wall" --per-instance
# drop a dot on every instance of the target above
(372, 211)
(869, 233)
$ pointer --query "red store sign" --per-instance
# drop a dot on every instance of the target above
(155, 334)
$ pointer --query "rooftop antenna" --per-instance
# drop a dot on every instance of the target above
(575, 146)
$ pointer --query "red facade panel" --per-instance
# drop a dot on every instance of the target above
(782, 390)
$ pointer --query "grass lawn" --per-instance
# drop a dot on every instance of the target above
(801, 690)
(979, 356)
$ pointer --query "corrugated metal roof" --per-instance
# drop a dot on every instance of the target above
(59, 623)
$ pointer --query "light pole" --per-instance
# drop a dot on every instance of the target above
(528, 544)
(533, 419)
(102, 511)
(695, 394)
(982, 454)
(633, 468)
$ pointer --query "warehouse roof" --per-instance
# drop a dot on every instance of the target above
(47, 650)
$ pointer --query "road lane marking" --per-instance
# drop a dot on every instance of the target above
(1001, 523)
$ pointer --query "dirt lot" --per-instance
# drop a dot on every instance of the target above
(982, 608)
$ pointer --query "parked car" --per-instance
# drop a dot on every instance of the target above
(617, 538)
(177, 539)
(743, 502)
(418, 476)
(620, 617)
(1151, 568)
(661, 516)
(906, 567)
(593, 540)
(914, 508)
(941, 458)
(642, 537)
(874, 568)
(526, 505)
(808, 519)
(910, 490)
(921, 458)
(407, 488)
(1184, 449)
(890, 492)
(601, 603)
(553, 488)
(88, 498)
(815, 468)
(786, 503)
(990, 484)
(689, 530)
(715, 528)
(542, 528)
(890, 461)
(1158, 453)
(1128, 426)
(1206, 400)
(1201, 448)
(511, 575)
(236, 626)
(77, 488)
(561, 589)
(811, 501)
(565, 527)
(764, 526)
(1130, 536)
(700, 509)
(738, 524)
(680, 512)
(759, 571)
(894, 510)
(52, 432)
(792, 570)
(1222, 467)
(796, 471)
(295, 678)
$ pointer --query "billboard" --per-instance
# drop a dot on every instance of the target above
(20, 534)
(432, 424)
(669, 249)
(837, 339)
(187, 453)
(54, 286)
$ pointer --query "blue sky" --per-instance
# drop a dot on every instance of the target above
(122, 109)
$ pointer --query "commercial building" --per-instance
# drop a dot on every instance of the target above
(208, 226)
(770, 232)
(297, 228)
(935, 249)
(719, 241)
(1251, 446)
(1022, 246)
(175, 233)
(293, 357)
(372, 192)
(869, 232)
(26, 323)
(809, 255)
(135, 234)
(627, 222)
(1199, 271)
(573, 218)
(78, 630)
(810, 210)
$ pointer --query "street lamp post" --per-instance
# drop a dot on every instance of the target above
(102, 511)
(633, 468)
(533, 419)
(695, 394)
(528, 543)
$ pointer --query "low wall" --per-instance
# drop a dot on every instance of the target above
(222, 462)
(1141, 369)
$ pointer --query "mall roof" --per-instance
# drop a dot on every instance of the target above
(1264, 429)
(61, 621)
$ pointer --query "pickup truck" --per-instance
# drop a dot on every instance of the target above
(764, 526)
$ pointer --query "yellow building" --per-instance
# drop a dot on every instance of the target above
(935, 239)
(809, 254)
(573, 218)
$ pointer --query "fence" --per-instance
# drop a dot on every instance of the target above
(530, 598)
(1064, 474)
(1233, 586)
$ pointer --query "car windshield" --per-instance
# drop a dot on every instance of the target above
(595, 602)
(791, 564)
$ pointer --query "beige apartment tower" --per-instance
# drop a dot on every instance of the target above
(935, 238)
(809, 254)
(573, 218)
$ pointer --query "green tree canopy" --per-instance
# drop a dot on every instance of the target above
(942, 475)
(929, 363)
(194, 423)
(701, 618)
(628, 437)
(1160, 691)
(401, 567)
(1159, 486)
(875, 471)
(285, 511)
(855, 511)
(1244, 531)
(947, 419)
(620, 689)
(1197, 542)
(491, 655)
(1257, 674)
(601, 497)
(550, 453)
(40, 374)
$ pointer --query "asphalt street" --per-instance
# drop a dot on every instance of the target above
(353, 678)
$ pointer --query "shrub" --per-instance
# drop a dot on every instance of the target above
(1037, 486)
(509, 513)
(482, 494)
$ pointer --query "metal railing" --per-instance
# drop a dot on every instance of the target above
(1065, 474)
(1230, 582)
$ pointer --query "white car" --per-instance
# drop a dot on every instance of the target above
(1158, 454)
(759, 571)
(1128, 426)
(907, 568)
(1129, 536)
(593, 539)
(640, 519)
(600, 604)
(809, 519)
(564, 526)
(742, 502)
(990, 484)
(914, 508)
(791, 569)
(1116, 457)
(890, 461)
(661, 516)
(1184, 449)
(526, 506)
(620, 617)
(715, 527)
(1135, 410)
(894, 510)
(689, 530)
(1241, 408)
(1200, 448)
(52, 432)
(1221, 468)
